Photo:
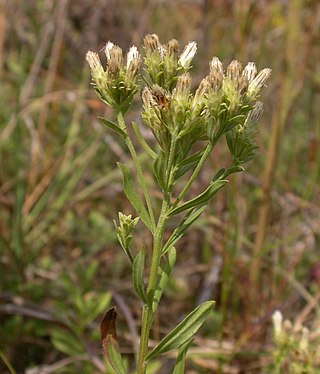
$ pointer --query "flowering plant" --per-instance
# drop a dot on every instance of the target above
(224, 105)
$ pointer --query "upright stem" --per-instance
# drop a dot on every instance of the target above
(138, 168)
(155, 262)
(147, 313)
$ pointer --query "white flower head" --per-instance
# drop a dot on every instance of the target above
(250, 71)
(132, 55)
(188, 54)
(216, 65)
(108, 48)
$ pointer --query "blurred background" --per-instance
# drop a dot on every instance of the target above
(255, 250)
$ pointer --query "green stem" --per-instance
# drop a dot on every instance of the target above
(147, 314)
(194, 174)
(170, 168)
(137, 164)
(155, 262)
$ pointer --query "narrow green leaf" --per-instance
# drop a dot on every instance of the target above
(181, 359)
(133, 197)
(184, 331)
(66, 342)
(201, 199)
(187, 221)
(232, 170)
(137, 275)
(166, 267)
(112, 126)
(189, 163)
(109, 341)
(159, 167)
(143, 143)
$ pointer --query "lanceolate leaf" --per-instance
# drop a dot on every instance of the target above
(111, 125)
(137, 275)
(181, 359)
(200, 199)
(133, 197)
(184, 331)
(109, 341)
(188, 163)
(160, 165)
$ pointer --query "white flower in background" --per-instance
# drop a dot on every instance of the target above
(277, 319)
(188, 54)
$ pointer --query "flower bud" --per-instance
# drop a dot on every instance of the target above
(151, 43)
(188, 54)
(234, 70)
(200, 92)
(97, 72)
(173, 47)
(115, 62)
(259, 81)
(183, 85)
(250, 71)
(127, 224)
(216, 66)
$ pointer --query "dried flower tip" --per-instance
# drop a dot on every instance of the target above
(93, 61)
(147, 98)
(277, 319)
(133, 54)
(234, 70)
(116, 59)
(203, 88)
(260, 80)
(151, 42)
(173, 47)
(216, 66)
(250, 71)
(183, 84)
(242, 84)
(160, 96)
(200, 92)
(107, 50)
(134, 67)
(188, 54)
